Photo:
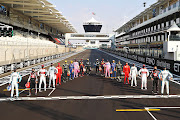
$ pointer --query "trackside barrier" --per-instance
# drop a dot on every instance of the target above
(172, 66)
(19, 65)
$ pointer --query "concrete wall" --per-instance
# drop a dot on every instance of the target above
(13, 53)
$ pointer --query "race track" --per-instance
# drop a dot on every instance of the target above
(92, 98)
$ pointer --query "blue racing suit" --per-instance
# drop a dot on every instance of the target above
(113, 67)
(71, 69)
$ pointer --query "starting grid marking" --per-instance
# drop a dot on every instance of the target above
(5, 80)
(149, 108)
(139, 65)
(90, 97)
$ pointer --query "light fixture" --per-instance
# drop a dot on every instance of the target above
(42, 3)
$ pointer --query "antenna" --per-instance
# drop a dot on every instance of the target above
(144, 4)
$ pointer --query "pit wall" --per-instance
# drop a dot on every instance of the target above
(172, 66)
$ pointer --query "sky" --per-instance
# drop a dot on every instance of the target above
(111, 13)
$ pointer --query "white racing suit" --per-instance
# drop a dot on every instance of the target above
(52, 75)
(42, 74)
(14, 79)
(165, 81)
(133, 74)
(144, 73)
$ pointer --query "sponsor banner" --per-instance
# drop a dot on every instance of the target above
(172, 66)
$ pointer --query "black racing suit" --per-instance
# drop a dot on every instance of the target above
(154, 75)
(88, 67)
(32, 79)
(97, 63)
(65, 71)
(119, 69)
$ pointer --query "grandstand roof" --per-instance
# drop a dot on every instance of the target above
(42, 11)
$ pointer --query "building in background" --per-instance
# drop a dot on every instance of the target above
(92, 26)
(154, 32)
(92, 38)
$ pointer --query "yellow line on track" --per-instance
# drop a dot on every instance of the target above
(136, 110)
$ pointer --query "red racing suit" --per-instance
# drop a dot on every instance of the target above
(58, 75)
(126, 70)
(102, 67)
(81, 66)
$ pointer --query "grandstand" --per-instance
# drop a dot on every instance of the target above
(31, 31)
(154, 32)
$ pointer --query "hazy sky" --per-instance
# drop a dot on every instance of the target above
(112, 13)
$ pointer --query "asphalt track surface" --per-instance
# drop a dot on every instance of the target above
(91, 109)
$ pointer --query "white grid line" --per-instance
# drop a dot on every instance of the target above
(92, 97)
